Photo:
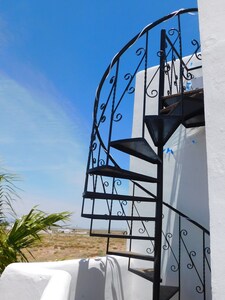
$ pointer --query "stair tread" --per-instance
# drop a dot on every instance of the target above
(132, 255)
(195, 121)
(120, 236)
(116, 217)
(169, 108)
(137, 147)
(192, 93)
(167, 292)
(111, 171)
(104, 196)
(161, 127)
(189, 108)
(174, 98)
(144, 273)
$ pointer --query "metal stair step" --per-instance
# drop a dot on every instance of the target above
(124, 236)
(130, 254)
(105, 196)
(111, 171)
(117, 218)
(171, 99)
(137, 147)
(195, 121)
(161, 127)
(144, 273)
(186, 105)
(169, 109)
(167, 292)
(188, 108)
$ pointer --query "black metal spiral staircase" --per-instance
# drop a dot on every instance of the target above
(176, 106)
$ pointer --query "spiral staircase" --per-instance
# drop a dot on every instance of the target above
(113, 192)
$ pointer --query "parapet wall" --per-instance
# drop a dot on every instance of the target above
(101, 278)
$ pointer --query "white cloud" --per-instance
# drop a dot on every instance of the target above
(41, 142)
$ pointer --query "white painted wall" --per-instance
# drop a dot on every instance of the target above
(34, 281)
(102, 278)
(212, 24)
(185, 188)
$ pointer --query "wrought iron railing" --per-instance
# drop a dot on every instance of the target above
(188, 246)
(115, 94)
(113, 106)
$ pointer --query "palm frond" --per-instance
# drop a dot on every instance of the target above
(25, 232)
(8, 194)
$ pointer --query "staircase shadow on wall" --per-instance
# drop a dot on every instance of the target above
(94, 278)
(188, 194)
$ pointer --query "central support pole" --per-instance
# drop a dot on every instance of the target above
(159, 203)
(158, 229)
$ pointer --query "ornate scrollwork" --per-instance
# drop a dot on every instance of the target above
(176, 80)
(153, 93)
(118, 117)
(102, 106)
(93, 146)
(160, 53)
(142, 230)
(174, 268)
(120, 213)
(207, 250)
(191, 254)
(183, 232)
(199, 289)
(139, 51)
(167, 245)
(103, 118)
(127, 76)
(187, 75)
(117, 182)
(172, 31)
(105, 183)
(197, 45)
(101, 162)
(123, 202)
(150, 250)
(130, 89)
(167, 69)
(112, 79)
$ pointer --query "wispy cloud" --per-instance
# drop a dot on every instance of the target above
(42, 143)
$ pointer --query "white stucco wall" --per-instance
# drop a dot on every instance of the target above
(185, 188)
(212, 24)
(34, 281)
(101, 278)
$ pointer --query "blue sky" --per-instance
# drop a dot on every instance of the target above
(52, 57)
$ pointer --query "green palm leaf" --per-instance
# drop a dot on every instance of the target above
(8, 193)
(25, 232)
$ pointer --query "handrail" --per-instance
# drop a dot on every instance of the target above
(175, 72)
(100, 119)
(189, 250)
(187, 218)
(130, 43)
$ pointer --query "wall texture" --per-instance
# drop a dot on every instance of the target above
(100, 278)
(212, 24)
(185, 188)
